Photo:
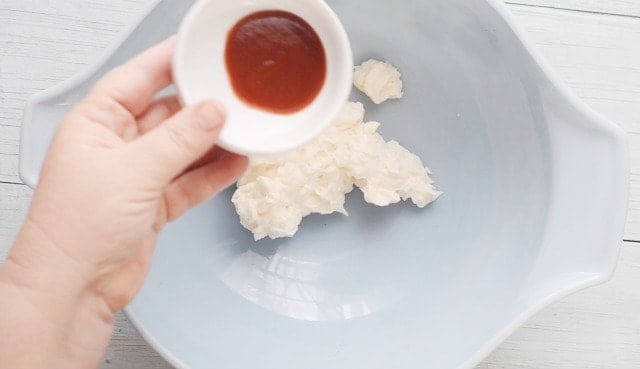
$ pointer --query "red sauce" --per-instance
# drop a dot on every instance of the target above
(275, 61)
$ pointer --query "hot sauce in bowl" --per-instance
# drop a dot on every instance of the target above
(275, 61)
(282, 69)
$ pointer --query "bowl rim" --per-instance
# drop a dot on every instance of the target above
(620, 139)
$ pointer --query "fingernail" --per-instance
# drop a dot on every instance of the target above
(210, 117)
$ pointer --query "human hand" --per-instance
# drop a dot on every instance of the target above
(122, 164)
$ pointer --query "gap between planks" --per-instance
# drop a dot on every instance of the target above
(619, 8)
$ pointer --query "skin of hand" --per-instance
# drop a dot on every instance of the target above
(122, 164)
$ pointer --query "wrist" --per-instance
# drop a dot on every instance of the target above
(49, 296)
(35, 263)
(67, 335)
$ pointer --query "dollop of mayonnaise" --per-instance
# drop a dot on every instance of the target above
(379, 80)
(277, 192)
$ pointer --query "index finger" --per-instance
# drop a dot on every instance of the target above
(135, 84)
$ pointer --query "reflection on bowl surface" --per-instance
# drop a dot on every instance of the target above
(295, 288)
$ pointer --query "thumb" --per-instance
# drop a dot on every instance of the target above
(169, 149)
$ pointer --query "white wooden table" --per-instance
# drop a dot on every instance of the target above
(593, 44)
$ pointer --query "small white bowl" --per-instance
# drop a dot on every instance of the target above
(200, 73)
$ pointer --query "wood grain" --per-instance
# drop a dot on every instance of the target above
(44, 43)
(625, 8)
(128, 350)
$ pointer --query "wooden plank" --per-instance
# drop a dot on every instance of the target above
(614, 7)
(42, 44)
(633, 216)
(632, 231)
(9, 148)
(594, 329)
(128, 350)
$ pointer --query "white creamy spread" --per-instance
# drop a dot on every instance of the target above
(277, 192)
(379, 80)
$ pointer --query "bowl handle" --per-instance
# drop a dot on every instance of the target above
(46, 109)
(595, 151)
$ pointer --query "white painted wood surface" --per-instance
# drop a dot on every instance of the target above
(615, 7)
(593, 44)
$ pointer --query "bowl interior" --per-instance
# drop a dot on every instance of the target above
(384, 287)
(200, 73)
